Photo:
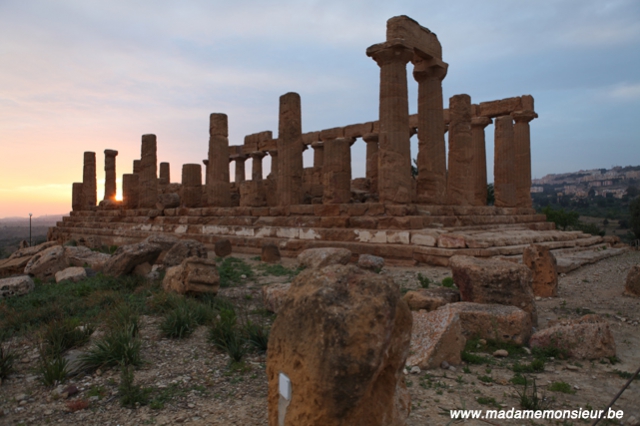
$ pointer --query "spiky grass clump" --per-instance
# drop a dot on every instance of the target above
(257, 336)
(131, 395)
(61, 335)
(116, 347)
(7, 361)
(226, 335)
(53, 369)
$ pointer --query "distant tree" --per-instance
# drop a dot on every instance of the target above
(491, 198)
(562, 218)
(634, 221)
(632, 191)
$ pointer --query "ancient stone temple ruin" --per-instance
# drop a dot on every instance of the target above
(390, 213)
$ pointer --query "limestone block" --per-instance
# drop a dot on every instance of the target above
(81, 256)
(182, 250)
(273, 295)
(494, 281)
(193, 275)
(270, 253)
(423, 239)
(315, 258)
(222, 248)
(46, 263)
(341, 337)
(543, 264)
(127, 257)
(164, 241)
(436, 337)
(16, 286)
(73, 274)
(16, 263)
(168, 201)
(632, 284)
(431, 299)
(493, 322)
(588, 337)
(451, 241)
(370, 262)
(143, 269)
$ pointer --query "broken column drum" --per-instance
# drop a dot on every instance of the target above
(110, 174)
(89, 185)
(191, 190)
(148, 182)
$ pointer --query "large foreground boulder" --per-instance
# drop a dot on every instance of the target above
(436, 337)
(273, 296)
(16, 286)
(544, 266)
(341, 337)
(16, 263)
(73, 274)
(632, 284)
(431, 299)
(494, 281)
(127, 257)
(194, 275)
(46, 263)
(84, 256)
(588, 337)
(183, 249)
(321, 257)
(502, 323)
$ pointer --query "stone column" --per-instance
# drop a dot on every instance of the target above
(89, 185)
(218, 191)
(394, 149)
(110, 174)
(256, 165)
(318, 155)
(191, 190)
(289, 178)
(165, 178)
(522, 142)
(148, 185)
(432, 167)
(337, 171)
(130, 184)
(371, 140)
(460, 178)
(76, 196)
(479, 167)
(504, 185)
(240, 172)
(206, 173)
(137, 166)
(274, 163)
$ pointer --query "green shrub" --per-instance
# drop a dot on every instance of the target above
(131, 395)
(563, 219)
(531, 400)
(7, 361)
(116, 347)
(536, 366)
(447, 282)
(53, 369)
(471, 358)
(561, 387)
(61, 335)
(424, 281)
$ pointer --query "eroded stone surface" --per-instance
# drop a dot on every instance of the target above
(431, 299)
(73, 273)
(588, 337)
(436, 337)
(321, 257)
(493, 322)
(371, 262)
(543, 264)
(127, 257)
(223, 248)
(273, 295)
(494, 281)
(182, 250)
(46, 263)
(270, 253)
(84, 256)
(632, 283)
(193, 275)
(16, 286)
(342, 337)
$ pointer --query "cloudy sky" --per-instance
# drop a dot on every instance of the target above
(82, 75)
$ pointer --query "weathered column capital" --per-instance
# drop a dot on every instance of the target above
(110, 152)
(390, 52)
(370, 138)
(429, 69)
(481, 122)
(523, 116)
(317, 145)
(350, 140)
(259, 155)
(205, 162)
(238, 157)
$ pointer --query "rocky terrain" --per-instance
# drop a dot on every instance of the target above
(195, 383)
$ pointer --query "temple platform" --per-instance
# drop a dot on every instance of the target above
(402, 234)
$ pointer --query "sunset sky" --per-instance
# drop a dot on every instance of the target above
(88, 75)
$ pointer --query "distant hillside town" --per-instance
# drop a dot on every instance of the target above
(589, 183)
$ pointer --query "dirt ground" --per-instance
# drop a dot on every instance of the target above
(201, 388)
